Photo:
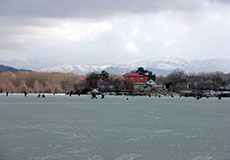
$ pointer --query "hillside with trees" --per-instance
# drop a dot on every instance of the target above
(4, 68)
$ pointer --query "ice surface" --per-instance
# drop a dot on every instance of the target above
(60, 127)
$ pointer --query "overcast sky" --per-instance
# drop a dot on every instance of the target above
(113, 31)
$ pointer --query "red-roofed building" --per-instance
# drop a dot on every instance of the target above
(134, 80)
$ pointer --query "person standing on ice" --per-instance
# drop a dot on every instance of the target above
(94, 93)
(102, 96)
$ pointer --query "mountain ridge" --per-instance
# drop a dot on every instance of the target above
(160, 66)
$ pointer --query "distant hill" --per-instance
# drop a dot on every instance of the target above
(4, 68)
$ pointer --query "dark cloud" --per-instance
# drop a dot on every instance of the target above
(89, 8)
(225, 1)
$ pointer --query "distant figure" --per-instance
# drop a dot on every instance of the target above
(70, 93)
(39, 95)
(7, 93)
(219, 97)
(159, 96)
(127, 98)
(43, 96)
(198, 97)
(172, 95)
(77, 92)
(93, 95)
(149, 95)
(102, 96)
(54, 94)
(25, 94)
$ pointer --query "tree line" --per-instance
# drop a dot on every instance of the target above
(54, 82)
(38, 82)
(179, 80)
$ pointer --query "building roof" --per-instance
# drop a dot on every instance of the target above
(151, 82)
(132, 75)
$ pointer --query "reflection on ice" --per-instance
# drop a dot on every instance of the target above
(129, 156)
(203, 158)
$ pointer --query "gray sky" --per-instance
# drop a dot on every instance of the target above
(113, 31)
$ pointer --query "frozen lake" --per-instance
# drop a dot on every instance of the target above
(142, 128)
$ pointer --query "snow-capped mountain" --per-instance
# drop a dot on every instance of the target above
(160, 66)
(79, 69)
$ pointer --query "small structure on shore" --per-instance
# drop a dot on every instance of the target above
(151, 83)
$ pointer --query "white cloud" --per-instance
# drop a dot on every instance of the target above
(69, 30)
(131, 47)
(166, 42)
